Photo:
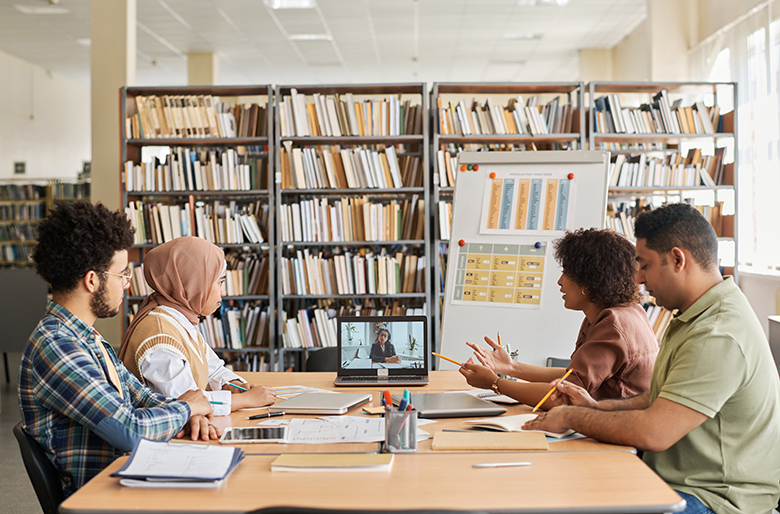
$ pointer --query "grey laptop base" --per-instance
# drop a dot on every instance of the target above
(451, 405)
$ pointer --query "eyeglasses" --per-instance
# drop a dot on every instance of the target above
(125, 275)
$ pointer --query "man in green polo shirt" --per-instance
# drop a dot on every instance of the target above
(710, 424)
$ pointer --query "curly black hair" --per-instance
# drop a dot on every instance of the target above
(602, 262)
(77, 237)
(679, 225)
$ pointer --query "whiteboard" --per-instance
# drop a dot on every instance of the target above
(507, 210)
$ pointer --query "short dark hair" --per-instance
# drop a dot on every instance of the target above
(679, 225)
(77, 237)
(601, 261)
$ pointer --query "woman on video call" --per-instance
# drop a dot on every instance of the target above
(383, 350)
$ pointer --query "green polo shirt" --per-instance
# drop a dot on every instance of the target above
(715, 359)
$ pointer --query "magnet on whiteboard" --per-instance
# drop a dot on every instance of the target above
(537, 244)
(461, 243)
(493, 174)
(571, 176)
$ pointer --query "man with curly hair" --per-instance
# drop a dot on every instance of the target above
(615, 349)
(710, 423)
(77, 399)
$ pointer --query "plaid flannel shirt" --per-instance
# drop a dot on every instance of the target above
(74, 411)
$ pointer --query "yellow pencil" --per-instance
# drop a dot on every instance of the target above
(499, 338)
(551, 390)
(447, 359)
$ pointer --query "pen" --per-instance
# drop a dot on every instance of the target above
(552, 390)
(237, 386)
(500, 464)
(447, 358)
(217, 403)
(267, 415)
(387, 399)
(402, 405)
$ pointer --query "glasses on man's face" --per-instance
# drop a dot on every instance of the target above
(126, 275)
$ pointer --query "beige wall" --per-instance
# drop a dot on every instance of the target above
(631, 57)
(44, 121)
(714, 14)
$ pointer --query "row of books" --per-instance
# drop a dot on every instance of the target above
(441, 279)
(71, 190)
(194, 116)
(518, 117)
(448, 164)
(22, 192)
(237, 327)
(157, 223)
(621, 217)
(310, 328)
(672, 169)
(659, 318)
(352, 273)
(337, 167)
(352, 219)
(247, 274)
(23, 211)
(445, 219)
(15, 252)
(658, 117)
(200, 169)
(18, 232)
(342, 115)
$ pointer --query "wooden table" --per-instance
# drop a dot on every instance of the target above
(574, 476)
(603, 482)
(441, 381)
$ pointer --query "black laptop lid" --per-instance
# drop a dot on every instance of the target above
(383, 345)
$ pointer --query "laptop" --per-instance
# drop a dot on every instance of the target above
(382, 351)
(321, 403)
(451, 405)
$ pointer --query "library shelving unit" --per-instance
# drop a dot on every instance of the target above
(664, 150)
(196, 161)
(500, 118)
(22, 205)
(352, 205)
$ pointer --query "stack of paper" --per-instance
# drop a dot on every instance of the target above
(159, 464)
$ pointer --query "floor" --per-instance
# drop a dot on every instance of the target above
(16, 495)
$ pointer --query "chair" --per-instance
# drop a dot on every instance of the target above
(324, 359)
(554, 362)
(43, 475)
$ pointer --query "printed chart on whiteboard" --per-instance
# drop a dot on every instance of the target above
(527, 202)
(506, 275)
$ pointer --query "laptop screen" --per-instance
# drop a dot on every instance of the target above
(397, 344)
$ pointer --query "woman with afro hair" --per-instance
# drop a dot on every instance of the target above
(615, 350)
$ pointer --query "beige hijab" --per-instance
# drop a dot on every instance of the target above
(181, 272)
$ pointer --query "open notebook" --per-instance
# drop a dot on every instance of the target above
(382, 350)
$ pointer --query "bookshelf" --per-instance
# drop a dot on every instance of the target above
(352, 204)
(673, 141)
(196, 161)
(492, 117)
(22, 205)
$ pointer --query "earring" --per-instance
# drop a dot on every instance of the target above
(583, 292)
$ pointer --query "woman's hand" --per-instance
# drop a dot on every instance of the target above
(235, 390)
(497, 359)
(476, 375)
(255, 396)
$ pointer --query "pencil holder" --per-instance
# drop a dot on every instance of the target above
(400, 431)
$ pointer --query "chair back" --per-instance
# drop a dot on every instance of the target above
(554, 362)
(324, 359)
(43, 475)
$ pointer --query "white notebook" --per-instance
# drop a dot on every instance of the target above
(321, 403)
(513, 424)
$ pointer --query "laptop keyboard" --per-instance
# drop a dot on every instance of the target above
(393, 378)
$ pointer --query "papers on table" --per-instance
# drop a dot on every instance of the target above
(491, 396)
(179, 465)
(340, 429)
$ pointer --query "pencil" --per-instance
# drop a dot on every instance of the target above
(552, 390)
(237, 386)
(447, 358)
(499, 338)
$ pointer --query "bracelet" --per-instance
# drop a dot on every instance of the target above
(494, 385)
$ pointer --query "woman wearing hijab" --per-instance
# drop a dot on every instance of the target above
(162, 346)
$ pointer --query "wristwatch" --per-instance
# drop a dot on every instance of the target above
(494, 385)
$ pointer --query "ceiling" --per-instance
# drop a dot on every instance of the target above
(360, 40)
